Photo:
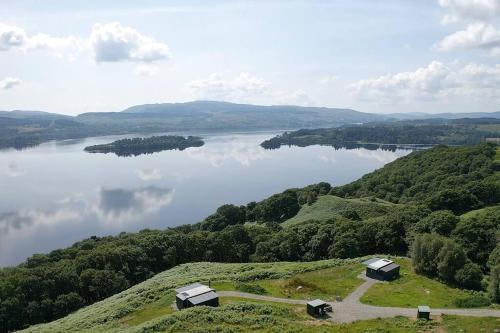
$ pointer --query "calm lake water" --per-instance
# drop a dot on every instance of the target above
(55, 194)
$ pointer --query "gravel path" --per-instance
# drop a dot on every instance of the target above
(351, 309)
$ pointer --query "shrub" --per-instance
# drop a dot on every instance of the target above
(250, 288)
(473, 301)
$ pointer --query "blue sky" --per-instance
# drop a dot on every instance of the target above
(374, 56)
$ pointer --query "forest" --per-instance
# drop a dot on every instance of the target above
(416, 132)
(139, 146)
(444, 215)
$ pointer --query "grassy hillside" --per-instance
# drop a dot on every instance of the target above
(113, 313)
(147, 307)
(329, 206)
(412, 290)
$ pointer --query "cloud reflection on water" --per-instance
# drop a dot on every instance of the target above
(241, 152)
(110, 205)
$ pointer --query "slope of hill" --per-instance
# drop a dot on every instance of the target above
(449, 115)
(329, 206)
(148, 307)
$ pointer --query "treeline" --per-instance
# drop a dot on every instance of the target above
(462, 132)
(48, 286)
(454, 178)
(139, 146)
(21, 133)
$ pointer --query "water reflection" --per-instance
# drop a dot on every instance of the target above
(18, 220)
(149, 174)
(55, 194)
(123, 204)
(111, 205)
(12, 169)
(241, 152)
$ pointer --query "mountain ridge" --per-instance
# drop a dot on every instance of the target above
(202, 105)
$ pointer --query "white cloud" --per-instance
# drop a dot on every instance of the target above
(475, 36)
(328, 79)
(477, 10)
(145, 70)
(59, 46)
(437, 80)
(113, 42)
(110, 42)
(297, 97)
(11, 37)
(241, 88)
(9, 83)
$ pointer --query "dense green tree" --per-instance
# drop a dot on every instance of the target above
(451, 258)
(424, 253)
(441, 222)
(478, 236)
(469, 276)
(458, 201)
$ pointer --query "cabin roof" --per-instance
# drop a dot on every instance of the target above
(316, 302)
(203, 298)
(369, 261)
(379, 264)
(424, 308)
(188, 287)
(192, 290)
(389, 267)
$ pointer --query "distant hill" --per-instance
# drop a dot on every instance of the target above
(449, 115)
(207, 115)
(26, 128)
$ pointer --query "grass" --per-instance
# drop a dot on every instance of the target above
(324, 283)
(150, 311)
(457, 324)
(329, 206)
(147, 307)
(411, 290)
(143, 305)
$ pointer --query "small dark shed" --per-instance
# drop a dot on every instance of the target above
(382, 269)
(196, 294)
(317, 308)
(423, 312)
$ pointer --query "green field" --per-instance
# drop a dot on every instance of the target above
(455, 324)
(411, 290)
(324, 283)
(329, 206)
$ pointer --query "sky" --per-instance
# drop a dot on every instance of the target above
(379, 56)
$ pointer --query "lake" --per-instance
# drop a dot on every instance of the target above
(55, 194)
